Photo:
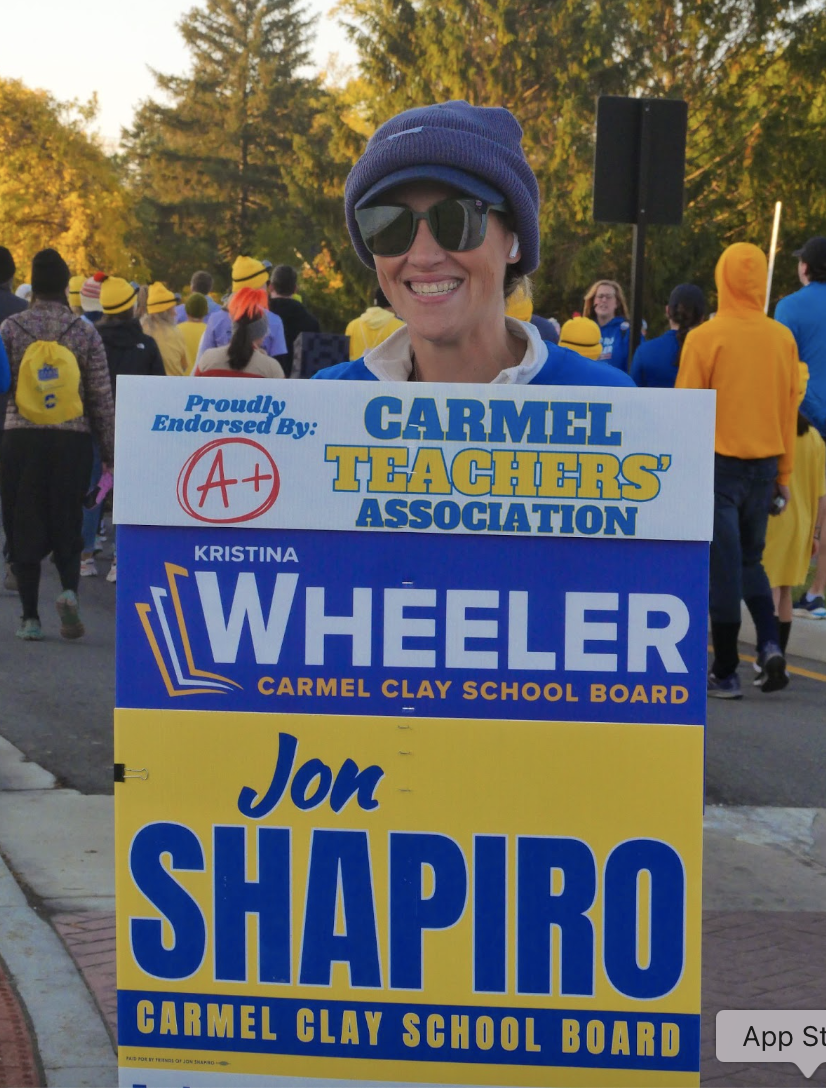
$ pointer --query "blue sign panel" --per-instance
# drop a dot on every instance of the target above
(305, 621)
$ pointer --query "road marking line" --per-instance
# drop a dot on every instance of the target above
(789, 668)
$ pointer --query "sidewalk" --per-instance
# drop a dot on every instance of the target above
(764, 923)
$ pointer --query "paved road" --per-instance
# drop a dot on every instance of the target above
(769, 749)
(56, 697)
(57, 700)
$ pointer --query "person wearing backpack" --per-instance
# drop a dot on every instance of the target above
(59, 400)
(128, 351)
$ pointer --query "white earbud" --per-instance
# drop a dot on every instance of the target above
(515, 246)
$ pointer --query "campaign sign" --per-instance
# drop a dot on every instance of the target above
(409, 738)
(515, 460)
(479, 627)
(441, 901)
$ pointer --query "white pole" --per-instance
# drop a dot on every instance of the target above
(773, 252)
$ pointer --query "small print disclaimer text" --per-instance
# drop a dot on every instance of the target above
(763, 1035)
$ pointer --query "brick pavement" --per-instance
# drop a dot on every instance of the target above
(90, 938)
(751, 960)
(18, 1060)
(760, 960)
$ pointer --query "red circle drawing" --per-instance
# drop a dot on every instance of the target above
(217, 480)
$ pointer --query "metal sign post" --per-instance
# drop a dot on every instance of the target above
(639, 172)
(638, 244)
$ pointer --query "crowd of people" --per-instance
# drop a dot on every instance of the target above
(453, 248)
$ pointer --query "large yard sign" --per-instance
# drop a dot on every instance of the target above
(411, 693)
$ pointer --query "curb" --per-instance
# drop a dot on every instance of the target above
(72, 1041)
(44, 1000)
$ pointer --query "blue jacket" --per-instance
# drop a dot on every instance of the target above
(615, 342)
(804, 313)
(562, 367)
(655, 361)
(10, 304)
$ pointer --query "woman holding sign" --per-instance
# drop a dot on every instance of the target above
(445, 207)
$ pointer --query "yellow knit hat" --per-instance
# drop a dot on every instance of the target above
(75, 284)
(581, 335)
(247, 272)
(519, 305)
(116, 295)
(159, 298)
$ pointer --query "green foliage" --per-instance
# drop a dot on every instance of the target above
(335, 283)
(209, 166)
(749, 70)
(245, 153)
(58, 187)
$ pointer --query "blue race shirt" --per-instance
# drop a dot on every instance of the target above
(562, 367)
(615, 342)
(218, 334)
(655, 361)
(804, 313)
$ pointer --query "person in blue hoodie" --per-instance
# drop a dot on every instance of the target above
(804, 312)
(449, 243)
(657, 361)
(605, 303)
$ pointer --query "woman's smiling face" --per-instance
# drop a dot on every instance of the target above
(441, 295)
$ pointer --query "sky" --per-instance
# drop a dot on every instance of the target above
(73, 48)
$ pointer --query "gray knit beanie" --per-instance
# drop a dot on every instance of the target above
(477, 149)
(256, 329)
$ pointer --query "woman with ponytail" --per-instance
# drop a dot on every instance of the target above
(242, 356)
(657, 361)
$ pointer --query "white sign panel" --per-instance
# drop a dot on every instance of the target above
(517, 460)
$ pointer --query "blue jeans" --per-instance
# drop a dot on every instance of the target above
(743, 492)
(91, 518)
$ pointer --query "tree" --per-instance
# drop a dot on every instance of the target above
(748, 69)
(57, 186)
(210, 165)
(335, 283)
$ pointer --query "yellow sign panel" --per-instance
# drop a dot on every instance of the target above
(430, 900)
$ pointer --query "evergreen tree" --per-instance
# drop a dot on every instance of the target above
(210, 165)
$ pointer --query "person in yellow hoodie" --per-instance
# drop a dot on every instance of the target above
(372, 327)
(752, 363)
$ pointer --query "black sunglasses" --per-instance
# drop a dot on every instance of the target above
(457, 223)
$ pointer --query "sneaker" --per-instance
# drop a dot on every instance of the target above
(88, 568)
(810, 610)
(71, 625)
(112, 576)
(10, 579)
(772, 675)
(30, 631)
(727, 688)
(760, 673)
